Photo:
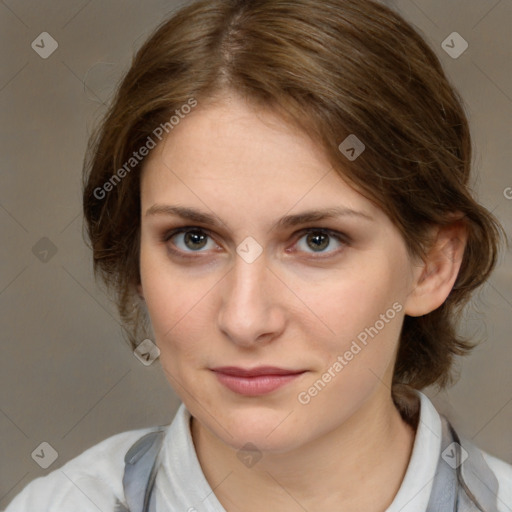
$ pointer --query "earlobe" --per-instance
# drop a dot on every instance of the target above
(434, 281)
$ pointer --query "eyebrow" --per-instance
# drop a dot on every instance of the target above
(287, 221)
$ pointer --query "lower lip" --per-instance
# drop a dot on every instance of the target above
(255, 386)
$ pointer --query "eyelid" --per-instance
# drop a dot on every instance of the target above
(168, 234)
(341, 236)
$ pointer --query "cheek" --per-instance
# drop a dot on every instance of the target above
(176, 315)
(346, 307)
(366, 317)
(364, 314)
(179, 307)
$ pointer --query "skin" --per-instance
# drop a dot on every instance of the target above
(296, 306)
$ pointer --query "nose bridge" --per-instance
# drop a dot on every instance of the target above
(247, 283)
(249, 306)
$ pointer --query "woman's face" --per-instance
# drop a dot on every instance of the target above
(262, 287)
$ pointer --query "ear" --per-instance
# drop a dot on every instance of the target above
(434, 279)
(140, 291)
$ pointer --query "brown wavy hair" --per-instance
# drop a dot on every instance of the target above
(332, 68)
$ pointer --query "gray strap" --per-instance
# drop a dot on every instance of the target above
(479, 482)
(443, 497)
(463, 481)
(140, 471)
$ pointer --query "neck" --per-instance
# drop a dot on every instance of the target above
(371, 450)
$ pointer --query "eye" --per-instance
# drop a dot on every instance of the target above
(318, 240)
(188, 239)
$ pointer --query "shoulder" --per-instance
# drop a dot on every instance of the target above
(503, 472)
(90, 481)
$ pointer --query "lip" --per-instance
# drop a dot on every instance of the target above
(255, 372)
(255, 381)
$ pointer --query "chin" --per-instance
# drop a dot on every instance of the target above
(259, 425)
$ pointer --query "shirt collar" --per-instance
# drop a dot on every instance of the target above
(180, 482)
(414, 492)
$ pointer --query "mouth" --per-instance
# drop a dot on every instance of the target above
(255, 381)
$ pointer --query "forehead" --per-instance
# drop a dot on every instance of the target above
(231, 154)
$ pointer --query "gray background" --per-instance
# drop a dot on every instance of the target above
(67, 376)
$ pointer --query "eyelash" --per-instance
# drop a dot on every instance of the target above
(338, 236)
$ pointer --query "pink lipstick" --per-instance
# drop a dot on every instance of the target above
(256, 381)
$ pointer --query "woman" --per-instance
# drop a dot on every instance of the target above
(279, 198)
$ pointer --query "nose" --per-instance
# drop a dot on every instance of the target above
(251, 311)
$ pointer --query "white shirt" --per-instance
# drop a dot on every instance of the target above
(92, 481)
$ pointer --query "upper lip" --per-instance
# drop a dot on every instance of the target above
(254, 372)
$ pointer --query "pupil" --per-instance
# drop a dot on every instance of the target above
(195, 237)
(317, 240)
